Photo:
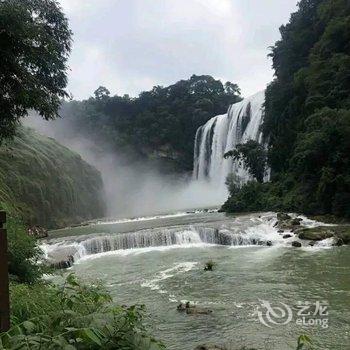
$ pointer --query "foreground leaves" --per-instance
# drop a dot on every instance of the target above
(77, 317)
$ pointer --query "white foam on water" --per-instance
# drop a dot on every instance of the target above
(142, 218)
(137, 251)
(327, 243)
(179, 268)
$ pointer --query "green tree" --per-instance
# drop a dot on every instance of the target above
(23, 252)
(253, 156)
(101, 92)
(161, 122)
(306, 121)
(35, 42)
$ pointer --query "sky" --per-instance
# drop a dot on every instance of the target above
(131, 45)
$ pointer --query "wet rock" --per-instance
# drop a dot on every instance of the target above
(316, 233)
(296, 244)
(269, 243)
(280, 231)
(283, 216)
(343, 233)
(185, 306)
(287, 236)
(210, 347)
(209, 265)
(288, 225)
(295, 221)
(338, 243)
(63, 264)
(312, 243)
(198, 311)
(181, 307)
(61, 258)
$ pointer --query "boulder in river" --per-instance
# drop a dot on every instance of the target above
(338, 243)
(283, 216)
(219, 347)
(296, 244)
(340, 233)
(287, 236)
(295, 221)
(210, 347)
(286, 222)
(198, 311)
(185, 306)
(193, 309)
(61, 258)
(316, 233)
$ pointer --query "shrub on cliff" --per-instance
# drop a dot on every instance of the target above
(48, 184)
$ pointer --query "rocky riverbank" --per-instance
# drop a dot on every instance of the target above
(289, 226)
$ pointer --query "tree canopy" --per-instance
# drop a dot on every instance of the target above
(160, 123)
(253, 155)
(307, 117)
(35, 42)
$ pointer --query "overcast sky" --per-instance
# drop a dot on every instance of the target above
(131, 45)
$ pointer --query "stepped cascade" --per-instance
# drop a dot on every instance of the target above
(221, 134)
(262, 233)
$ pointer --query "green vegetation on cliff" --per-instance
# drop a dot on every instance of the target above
(159, 124)
(46, 183)
(307, 116)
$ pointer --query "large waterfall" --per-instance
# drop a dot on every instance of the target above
(221, 134)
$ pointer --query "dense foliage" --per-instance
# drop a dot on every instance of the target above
(158, 124)
(307, 113)
(75, 316)
(253, 156)
(23, 253)
(35, 42)
(46, 183)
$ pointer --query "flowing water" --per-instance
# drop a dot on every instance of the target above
(159, 262)
(221, 134)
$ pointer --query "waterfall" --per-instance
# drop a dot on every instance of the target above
(221, 134)
(162, 237)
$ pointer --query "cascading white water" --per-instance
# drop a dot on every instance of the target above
(163, 237)
(221, 134)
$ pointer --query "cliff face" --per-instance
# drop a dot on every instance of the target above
(47, 183)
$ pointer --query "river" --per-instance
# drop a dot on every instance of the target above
(159, 261)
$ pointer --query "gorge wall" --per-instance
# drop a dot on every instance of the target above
(48, 184)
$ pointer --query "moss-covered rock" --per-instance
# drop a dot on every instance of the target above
(48, 184)
(283, 216)
(323, 232)
(343, 233)
(315, 233)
